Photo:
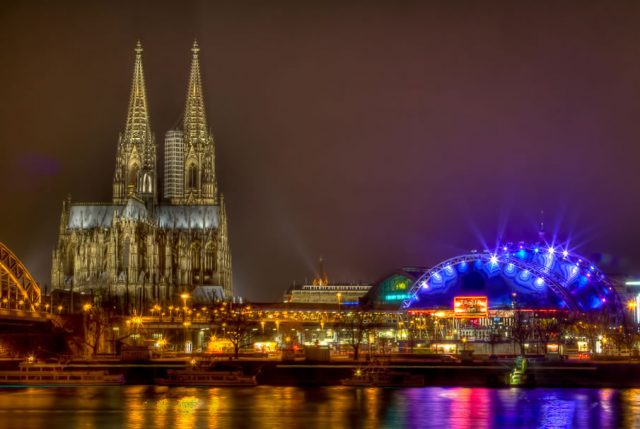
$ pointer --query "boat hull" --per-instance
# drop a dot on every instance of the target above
(181, 383)
(209, 378)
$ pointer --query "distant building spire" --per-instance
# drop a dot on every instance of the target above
(138, 127)
(135, 173)
(195, 122)
(321, 279)
(200, 185)
(541, 227)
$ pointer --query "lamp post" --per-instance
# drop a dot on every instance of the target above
(86, 308)
(185, 296)
(631, 305)
(339, 297)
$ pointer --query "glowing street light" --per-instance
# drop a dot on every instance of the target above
(185, 296)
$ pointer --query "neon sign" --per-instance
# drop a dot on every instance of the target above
(470, 306)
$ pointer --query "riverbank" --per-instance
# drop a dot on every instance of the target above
(468, 374)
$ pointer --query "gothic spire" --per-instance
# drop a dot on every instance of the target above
(195, 122)
(137, 128)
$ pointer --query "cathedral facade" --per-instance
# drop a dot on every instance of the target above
(146, 246)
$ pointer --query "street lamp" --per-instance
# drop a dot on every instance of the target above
(86, 308)
(339, 296)
(185, 296)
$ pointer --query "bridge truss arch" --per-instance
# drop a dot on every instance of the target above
(18, 289)
(530, 272)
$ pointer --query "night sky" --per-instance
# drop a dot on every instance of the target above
(374, 135)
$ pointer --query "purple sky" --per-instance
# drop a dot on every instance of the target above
(374, 135)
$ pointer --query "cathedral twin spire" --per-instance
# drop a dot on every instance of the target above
(192, 162)
(195, 122)
(138, 127)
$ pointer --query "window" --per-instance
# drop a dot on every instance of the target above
(192, 176)
(133, 176)
(209, 258)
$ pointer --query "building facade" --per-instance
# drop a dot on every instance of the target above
(146, 246)
(322, 291)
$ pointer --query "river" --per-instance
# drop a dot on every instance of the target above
(324, 407)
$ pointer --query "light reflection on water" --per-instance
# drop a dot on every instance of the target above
(137, 407)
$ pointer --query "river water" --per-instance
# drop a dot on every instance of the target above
(326, 407)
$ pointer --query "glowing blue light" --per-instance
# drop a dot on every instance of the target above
(565, 253)
(493, 259)
(505, 248)
(424, 284)
(524, 275)
(510, 270)
(539, 281)
(592, 268)
(551, 250)
(536, 250)
(462, 267)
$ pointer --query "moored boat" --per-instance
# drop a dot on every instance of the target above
(203, 375)
(382, 376)
(31, 373)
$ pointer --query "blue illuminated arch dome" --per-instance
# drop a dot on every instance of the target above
(523, 275)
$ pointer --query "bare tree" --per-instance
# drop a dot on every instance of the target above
(624, 337)
(544, 329)
(520, 330)
(234, 324)
(356, 325)
(593, 326)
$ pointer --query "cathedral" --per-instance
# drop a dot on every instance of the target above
(144, 248)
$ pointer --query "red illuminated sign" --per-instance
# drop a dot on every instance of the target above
(470, 306)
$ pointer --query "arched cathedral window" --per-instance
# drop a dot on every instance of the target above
(146, 183)
(133, 176)
(195, 257)
(209, 258)
(192, 176)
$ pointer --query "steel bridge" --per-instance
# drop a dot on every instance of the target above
(21, 304)
(19, 291)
